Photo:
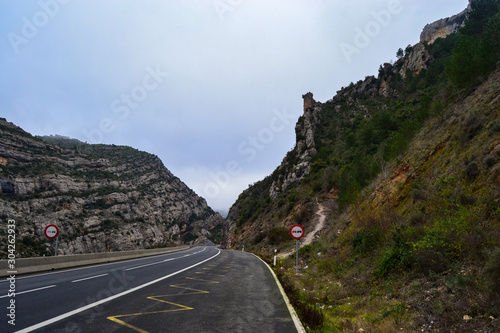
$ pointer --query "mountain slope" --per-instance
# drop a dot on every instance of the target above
(102, 197)
(407, 165)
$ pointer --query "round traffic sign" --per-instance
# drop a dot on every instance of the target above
(51, 231)
(297, 231)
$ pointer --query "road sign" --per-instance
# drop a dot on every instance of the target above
(297, 231)
(51, 231)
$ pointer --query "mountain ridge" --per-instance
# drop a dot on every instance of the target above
(102, 197)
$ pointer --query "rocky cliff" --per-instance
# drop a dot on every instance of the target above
(102, 197)
(297, 164)
(444, 27)
(350, 105)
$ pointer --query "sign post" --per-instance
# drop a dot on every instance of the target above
(297, 232)
(52, 231)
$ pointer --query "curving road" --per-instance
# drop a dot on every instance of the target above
(202, 289)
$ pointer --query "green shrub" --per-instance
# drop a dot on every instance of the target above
(367, 239)
(428, 260)
(472, 170)
(397, 257)
(306, 251)
(278, 235)
(328, 265)
(259, 237)
(490, 161)
(446, 240)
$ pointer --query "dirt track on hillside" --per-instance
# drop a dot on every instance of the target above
(309, 238)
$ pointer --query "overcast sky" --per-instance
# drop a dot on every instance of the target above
(213, 87)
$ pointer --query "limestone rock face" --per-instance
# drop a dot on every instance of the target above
(418, 59)
(443, 27)
(102, 197)
(304, 151)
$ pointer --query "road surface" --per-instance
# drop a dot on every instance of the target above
(202, 289)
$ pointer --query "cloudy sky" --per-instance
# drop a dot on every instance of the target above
(213, 87)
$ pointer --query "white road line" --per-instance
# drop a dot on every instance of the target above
(136, 267)
(158, 262)
(70, 313)
(28, 291)
(90, 277)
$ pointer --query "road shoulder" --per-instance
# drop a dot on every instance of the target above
(293, 314)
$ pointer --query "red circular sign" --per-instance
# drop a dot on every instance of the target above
(51, 231)
(297, 231)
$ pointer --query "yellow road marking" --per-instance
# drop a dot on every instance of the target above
(197, 291)
(114, 318)
(210, 281)
(158, 298)
(121, 322)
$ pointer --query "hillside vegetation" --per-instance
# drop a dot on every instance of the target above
(408, 165)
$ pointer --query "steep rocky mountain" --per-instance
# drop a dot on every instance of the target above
(321, 129)
(406, 167)
(102, 197)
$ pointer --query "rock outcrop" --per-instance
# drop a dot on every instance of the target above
(416, 61)
(443, 27)
(102, 197)
(292, 172)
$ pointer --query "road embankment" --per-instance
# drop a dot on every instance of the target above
(42, 264)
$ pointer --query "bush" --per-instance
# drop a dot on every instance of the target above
(429, 261)
(472, 170)
(366, 240)
(259, 238)
(444, 242)
(399, 256)
(490, 161)
(277, 236)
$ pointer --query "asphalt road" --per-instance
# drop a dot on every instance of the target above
(201, 289)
